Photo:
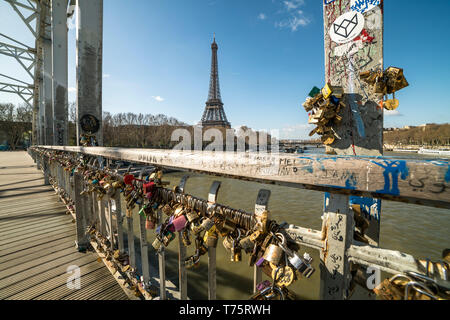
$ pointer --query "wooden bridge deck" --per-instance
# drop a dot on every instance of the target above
(37, 241)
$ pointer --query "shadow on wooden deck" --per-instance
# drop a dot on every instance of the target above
(37, 241)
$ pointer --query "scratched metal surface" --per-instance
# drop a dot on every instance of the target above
(362, 124)
(37, 241)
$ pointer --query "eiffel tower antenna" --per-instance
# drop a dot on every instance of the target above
(214, 114)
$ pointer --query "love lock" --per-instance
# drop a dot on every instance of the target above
(391, 104)
(283, 276)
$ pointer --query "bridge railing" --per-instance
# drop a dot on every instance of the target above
(422, 182)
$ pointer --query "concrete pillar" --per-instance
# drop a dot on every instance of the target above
(89, 68)
(361, 130)
(352, 48)
(59, 53)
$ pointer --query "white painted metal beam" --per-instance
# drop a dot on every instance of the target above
(89, 64)
(60, 72)
(382, 177)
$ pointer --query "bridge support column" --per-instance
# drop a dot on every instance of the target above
(47, 80)
(59, 88)
(361, 130)
(89, 68)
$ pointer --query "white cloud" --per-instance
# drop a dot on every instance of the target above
(158, 98)
(393, 113)
(299, 131)
(262, 16)
(72, 89)
(106, 75)
(295, 17)
(293, 4)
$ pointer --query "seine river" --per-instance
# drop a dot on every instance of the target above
(417, 230)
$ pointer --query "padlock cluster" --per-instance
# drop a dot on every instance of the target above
(265, 242)
(324, 106)
(64, 161)
(197, 222)
(386, 82)
(88, 140)
(432, 284)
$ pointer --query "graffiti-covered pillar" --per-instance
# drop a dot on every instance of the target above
(89, 72)
(60, 99)
(353, 33)
(354, 44)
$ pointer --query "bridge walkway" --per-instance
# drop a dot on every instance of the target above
(37, 241)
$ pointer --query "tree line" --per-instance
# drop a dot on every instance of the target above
(127, 129)
(431, 135)
(15, 124)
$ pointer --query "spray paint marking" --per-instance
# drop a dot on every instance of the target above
(392, 171)
(362, 6)
(369, 207)
(351, 183)
(364, 37)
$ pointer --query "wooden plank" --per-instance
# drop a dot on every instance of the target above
(36, 262)
(31, 244)
(381, 177)
(37, 284)
(18, 261)
(40, 247)
(39, 234)
(37, 244)
(26, 228)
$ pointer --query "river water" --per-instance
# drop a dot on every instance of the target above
(417, 230)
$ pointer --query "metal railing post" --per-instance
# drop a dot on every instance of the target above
(262, 203)
(182, 273)
(339, 226)
(212, 268)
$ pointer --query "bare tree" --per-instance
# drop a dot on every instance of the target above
(16, 122)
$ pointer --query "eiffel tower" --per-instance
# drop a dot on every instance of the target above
(214, 114)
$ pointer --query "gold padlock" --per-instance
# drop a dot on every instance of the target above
(391, 104)
(273, 254)
(328, 139)
(282, 276)
(388, 290)
(327, 91)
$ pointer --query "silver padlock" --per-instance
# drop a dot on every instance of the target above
(301, 265)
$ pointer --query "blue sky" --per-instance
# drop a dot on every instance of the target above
(157, 58)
